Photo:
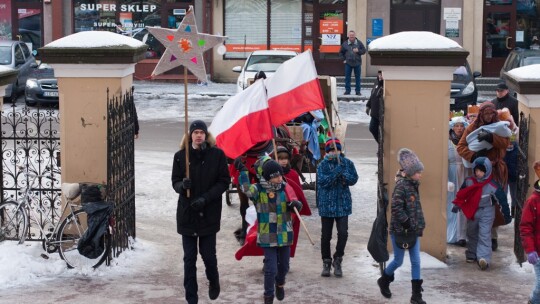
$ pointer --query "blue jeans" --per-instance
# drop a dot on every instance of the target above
(207, 249)
(342, 227)
(535, 295)
(348, 71)
(276, 267)
(414, 255)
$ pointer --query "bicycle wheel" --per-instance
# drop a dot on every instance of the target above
(13, 222)
(70, 232)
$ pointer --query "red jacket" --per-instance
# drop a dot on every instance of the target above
(529, 228)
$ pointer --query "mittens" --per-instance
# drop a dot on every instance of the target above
(198, 203)
(239, 164)
(485, 135)
(532, 257)
(294, 204)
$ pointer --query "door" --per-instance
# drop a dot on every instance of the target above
(499, 35)
(28, 24)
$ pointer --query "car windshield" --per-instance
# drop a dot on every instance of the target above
(5, 55)
(461, 74)
(531, 60)
(266, 63)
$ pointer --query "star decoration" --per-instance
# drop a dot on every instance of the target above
(184, 46)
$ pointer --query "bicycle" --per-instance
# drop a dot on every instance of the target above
(63, 236)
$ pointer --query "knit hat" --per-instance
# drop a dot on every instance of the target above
(271, 169)
(283, 151)
(198, 125)
(409, 162)
(329, 146)
(458, 120)
(537, 168)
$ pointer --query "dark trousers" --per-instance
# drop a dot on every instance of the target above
(207, 249)
(374, 128)
(276, 267)
(244, 205)
(348, 73)
(342, 227)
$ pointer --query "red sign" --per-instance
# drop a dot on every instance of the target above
(331, 26)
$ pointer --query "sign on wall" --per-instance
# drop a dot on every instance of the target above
(376, 27)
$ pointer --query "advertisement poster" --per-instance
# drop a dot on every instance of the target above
(452, 29)
(331, 39)
(331, 26)
(126, 19)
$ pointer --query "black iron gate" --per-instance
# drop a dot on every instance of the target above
(121, 168)
(522, 184)
(31, 139)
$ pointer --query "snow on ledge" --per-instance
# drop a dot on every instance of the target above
(94, 39)
(413, 40)
(528, 72)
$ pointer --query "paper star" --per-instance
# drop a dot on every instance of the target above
(184, 46)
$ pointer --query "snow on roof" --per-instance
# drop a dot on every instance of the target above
(4, 69)
(413, 40)
(529, 72)
(94, 39)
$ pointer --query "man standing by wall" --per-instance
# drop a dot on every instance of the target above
(505, 100)
(351, 52)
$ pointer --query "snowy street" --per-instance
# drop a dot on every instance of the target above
(152, 272)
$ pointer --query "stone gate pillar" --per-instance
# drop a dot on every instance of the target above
(7, 76)
(86, 64)
(526, 82)
(416, 106)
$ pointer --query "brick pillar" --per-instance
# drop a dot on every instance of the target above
(528, 94)
(7, 76)
(417, 101)
(84, 75)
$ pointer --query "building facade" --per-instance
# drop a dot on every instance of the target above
(488, 29)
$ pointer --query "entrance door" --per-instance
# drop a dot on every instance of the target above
(499, 34)
(329, 32)
(27, 26)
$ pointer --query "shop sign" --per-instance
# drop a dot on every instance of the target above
(245, 47)
(452, 13)
(377, 27)
(331, 26)
(132, 8)
(331, 39)
(452, 29)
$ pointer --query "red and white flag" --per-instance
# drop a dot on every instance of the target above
(243, 121)
(294, 89)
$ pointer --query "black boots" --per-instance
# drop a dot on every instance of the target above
(280, 292)
(327, 263)
(384, 285)
(337, 266)
(268, 300)
(417, 292)
(213, 290)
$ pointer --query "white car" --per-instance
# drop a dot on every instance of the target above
(266, 61)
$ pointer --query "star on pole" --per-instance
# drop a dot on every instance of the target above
(184, 46)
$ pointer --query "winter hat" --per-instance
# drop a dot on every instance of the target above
(198, 125)
(329, 146)
(284, 152)
(458, 120)
(409, 162)
(501, 86)
(537, 168)
(271, 169)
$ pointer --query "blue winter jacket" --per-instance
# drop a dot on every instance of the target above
(333, 181)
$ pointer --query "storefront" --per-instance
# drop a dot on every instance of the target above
(22, 19)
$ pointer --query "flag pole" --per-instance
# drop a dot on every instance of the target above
(331, 131)
(186, 127)
(303, 225)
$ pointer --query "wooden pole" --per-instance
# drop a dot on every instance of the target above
(186, 127)
(303, 225)
(331, 131)
(275, 148)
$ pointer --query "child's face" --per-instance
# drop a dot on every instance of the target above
(276, 180)
(283, 162)
(417, 176)
(479, 173)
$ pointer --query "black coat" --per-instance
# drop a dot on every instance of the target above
(508, 102)
(209, 178)
(374, 102)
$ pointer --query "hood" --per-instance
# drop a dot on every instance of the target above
(483, 161)
(210, 140)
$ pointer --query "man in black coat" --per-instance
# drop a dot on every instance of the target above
(198, 215)
(373, 106)
(504, 100)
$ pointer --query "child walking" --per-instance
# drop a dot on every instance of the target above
(274, 230)
(477, 198)
(335, 174)
(407, 214)
(529, 229)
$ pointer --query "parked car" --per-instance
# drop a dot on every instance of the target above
(266, 61)
(519, 57)
(41, 86)
(463, 91)
(16, 55)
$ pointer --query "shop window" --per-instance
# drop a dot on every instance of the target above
(416, 2)
(499, 2)
(245, 27)
(286, 25)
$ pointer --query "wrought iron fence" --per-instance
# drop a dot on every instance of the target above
(31, 139)
(522, 184)
(121, 168)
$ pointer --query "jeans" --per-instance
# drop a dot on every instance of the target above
(374, 128)
(414, 255)
(348, 71)
(276, 267)
(244, 205)
(535, 295)
(342, 226)
(207, 249)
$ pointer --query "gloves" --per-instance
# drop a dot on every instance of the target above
(239, 164)
(532, 257)
(455, 209)
(294, 204)
(485, 135)
(183, 185)
(481, 153)
(407, 224)
(368, 110)
(198, 203)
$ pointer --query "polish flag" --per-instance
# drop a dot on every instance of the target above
(294, 89)
(243, 121)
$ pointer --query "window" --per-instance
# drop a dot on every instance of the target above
(245, 27)
(286, 25)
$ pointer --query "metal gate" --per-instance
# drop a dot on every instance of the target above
(121, 167)
(522, 184)
(31, 139)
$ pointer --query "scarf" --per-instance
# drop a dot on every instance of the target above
(454, 138)
(468, 198)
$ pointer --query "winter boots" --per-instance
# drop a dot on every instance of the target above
(417, 289)
(280, 292)
(213, 290)
(384, 285)
(268, 300)
(327, 264)
(337, 266)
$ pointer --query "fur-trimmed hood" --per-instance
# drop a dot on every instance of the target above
(210, 140)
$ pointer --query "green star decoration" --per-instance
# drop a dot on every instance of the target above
(184, 46)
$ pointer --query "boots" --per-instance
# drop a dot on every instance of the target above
(417, 292)
(384, 285)
(268, 299)
(327, 264)
(337, 266)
